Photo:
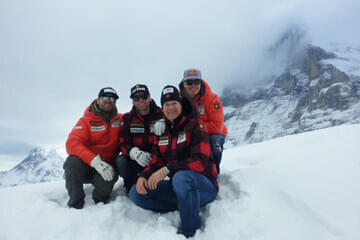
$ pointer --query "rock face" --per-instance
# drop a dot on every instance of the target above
(38, 166)
(311, 93)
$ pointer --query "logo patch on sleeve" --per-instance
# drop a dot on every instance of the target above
(216, 106)
(201, 126)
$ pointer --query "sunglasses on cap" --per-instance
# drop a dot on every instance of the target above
(139, 96)
(108, 99)
(193, 81)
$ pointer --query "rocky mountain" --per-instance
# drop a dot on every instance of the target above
(319, 88)
(39, 166)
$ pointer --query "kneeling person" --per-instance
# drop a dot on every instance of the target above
(92, 146)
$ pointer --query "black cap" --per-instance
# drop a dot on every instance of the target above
(170, 93)
(139, 88)
(108, 91)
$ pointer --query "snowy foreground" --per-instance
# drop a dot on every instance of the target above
(304, 186)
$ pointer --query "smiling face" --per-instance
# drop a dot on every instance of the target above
(192, 87)
(141, 102)
(172, 110)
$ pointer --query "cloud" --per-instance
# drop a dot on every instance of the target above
(14, 148)
(56, 55)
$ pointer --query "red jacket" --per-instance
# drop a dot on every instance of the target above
(92, 135)
(184, 146)
(210, 109)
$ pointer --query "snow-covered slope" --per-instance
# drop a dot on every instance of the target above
(347, 60)
(303, 186)
(39, 166)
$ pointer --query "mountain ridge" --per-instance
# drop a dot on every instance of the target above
(39, 166)
(313, 92)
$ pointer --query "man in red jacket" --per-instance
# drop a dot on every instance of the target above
(210, 109)
(92, 146)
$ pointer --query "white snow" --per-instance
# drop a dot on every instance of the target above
(269, 115)
(304, 186)
(41, 165)
(348, 58)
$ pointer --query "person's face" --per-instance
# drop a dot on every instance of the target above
(172, 110)
(141, 102)
(106, 103)
(192, 87)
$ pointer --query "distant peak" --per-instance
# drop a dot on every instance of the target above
(37, 151)
(290, 40)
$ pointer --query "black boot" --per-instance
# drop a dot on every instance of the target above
(78, 204)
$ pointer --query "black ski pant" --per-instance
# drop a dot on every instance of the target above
(77, 173)
(129, 170)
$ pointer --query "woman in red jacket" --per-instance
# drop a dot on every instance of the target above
(209, 107)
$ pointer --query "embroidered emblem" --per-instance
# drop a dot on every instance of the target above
(163, 140)
(137, 130)
(168, 90)
(192, 72)
(97, 129)
(92, 123)
(138, 89)
(137, 125)
(216, 106)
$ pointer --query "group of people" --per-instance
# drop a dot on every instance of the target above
(168, 157)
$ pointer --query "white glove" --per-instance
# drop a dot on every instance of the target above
(159, 127)
(104, 169)
(141, 157)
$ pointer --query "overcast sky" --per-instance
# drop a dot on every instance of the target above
(56, 55)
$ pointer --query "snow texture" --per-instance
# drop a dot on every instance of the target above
(303, 186)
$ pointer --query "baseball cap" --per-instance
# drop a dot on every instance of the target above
(139, 88)
(108, 91)
(192, 73)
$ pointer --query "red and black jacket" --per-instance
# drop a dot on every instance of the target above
(135, 130)
(184, 146)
